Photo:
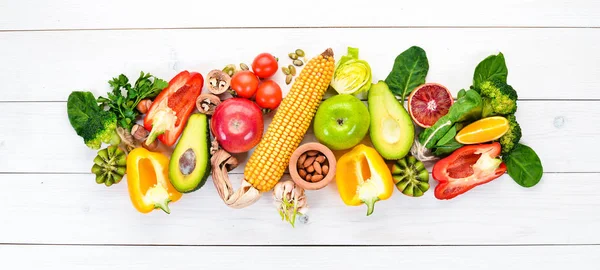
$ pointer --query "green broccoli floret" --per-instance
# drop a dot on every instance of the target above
(499, 98)
(90, 121)
(512, 137)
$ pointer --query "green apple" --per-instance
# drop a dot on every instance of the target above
(341, 122)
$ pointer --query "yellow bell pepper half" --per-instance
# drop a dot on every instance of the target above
(148, 181)
(362, 176)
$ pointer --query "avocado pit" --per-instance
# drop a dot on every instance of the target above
(187, 162)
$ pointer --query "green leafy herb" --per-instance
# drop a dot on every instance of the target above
(524, 166)
(124, 105)
(90, 121)
(491, 68)
(409, 71)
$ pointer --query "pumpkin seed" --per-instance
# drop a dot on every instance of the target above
(286, 70)
(244, 66)
(229, 69)
(288, 79)
(293, 56)
(298, 62)
(300, 52)
(292, 70)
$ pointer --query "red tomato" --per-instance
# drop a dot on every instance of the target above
(244, 83)
(264, 65)
(268, 95)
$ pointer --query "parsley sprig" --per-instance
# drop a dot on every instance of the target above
(124, 98)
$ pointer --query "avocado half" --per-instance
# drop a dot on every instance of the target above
(190, 163)
(392, 130)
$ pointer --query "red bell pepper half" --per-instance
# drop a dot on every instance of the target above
(466, 168)
(172, 107)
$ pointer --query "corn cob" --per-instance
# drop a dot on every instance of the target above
(272, 155)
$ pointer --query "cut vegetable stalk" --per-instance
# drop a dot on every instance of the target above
(368, 193)
(164, 120)
(158, 196)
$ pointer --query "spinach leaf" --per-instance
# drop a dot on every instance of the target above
(446, 148)
(524, 166)
(491, 68)
(447, 144)
(409, 71)
(448, 137)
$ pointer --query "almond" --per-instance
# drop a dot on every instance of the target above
(310, 169)
(317, 166)
(320, 159)
(308, 161)
(302, 173)
(317, 178)
(301, 160)
(312, 153)
(325, 169)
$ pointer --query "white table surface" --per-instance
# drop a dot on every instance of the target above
(54, 215)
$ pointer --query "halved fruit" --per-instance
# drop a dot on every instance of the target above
(190, 162)
(484, 130)
(428, 102)
(391, 130)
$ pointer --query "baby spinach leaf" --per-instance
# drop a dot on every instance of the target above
(448, 137)
(446, 148)
(491, 68)
(409, 71)
(524, 166)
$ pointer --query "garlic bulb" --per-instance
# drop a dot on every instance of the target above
(289, 200)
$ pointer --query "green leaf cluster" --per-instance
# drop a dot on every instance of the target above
(124, 97)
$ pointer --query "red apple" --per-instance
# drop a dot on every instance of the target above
(237, 124)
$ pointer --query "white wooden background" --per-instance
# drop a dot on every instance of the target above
(54, 215)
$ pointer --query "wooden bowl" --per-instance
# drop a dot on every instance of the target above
(293, 168)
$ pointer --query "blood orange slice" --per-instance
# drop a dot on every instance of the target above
(428, 102)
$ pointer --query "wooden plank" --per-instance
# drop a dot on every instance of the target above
(72, 14)
(41, 139)
(110, 257)
(73, 209)
(543, 63)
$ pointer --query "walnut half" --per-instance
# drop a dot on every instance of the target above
(218, 82)
(206, 103)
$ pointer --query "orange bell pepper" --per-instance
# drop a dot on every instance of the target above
(148, 181)
(362, 176)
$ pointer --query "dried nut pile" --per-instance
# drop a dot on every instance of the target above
(313, 166)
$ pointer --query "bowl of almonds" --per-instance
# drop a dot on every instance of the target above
(312, 166)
